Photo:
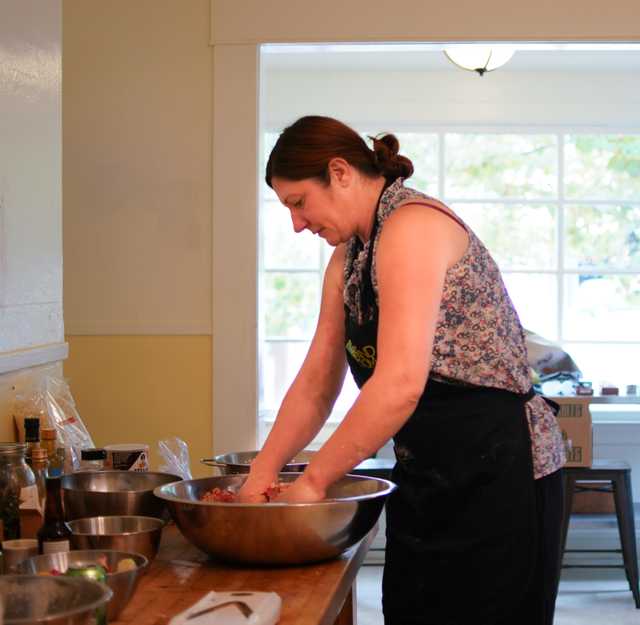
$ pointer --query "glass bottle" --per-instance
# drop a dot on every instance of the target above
(39, 466)
(55, 453)
(31, 435)
(54, 536)
(17, 487)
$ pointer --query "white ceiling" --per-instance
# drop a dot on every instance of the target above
(429, 57)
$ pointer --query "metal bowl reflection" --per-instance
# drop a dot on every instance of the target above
(138, 534)
(36, 600)
(122, 583)
(236, 462)
(276, 533)
(113, 493)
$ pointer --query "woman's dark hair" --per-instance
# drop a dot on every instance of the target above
(304, 150)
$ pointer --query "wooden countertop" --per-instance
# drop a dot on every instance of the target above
(315, 594)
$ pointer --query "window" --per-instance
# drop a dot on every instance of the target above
(559, 211)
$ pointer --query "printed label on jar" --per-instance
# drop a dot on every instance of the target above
(29, 499)
(129, 460)
(56, 546)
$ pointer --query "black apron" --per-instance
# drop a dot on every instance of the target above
(461, 526)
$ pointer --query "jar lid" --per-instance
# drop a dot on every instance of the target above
(48, 434)
(93, 454)
(7, 448)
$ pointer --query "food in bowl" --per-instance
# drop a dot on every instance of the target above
(227, 495)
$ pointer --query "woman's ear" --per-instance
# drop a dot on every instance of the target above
(340, 172)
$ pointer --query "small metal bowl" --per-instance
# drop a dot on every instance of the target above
(236, 462)
(113, 493)
(39, 600)
(122, 584)
(135, 534)
(276, 533)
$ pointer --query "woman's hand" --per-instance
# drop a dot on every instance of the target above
(301, 491)
(254, 489)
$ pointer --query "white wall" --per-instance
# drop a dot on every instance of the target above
(30, 189)
(453, 97)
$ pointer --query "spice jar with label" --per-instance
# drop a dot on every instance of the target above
(93, 459)
(18, 490)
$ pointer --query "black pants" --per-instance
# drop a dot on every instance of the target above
(540, 603)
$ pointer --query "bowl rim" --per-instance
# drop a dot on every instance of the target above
(106, 596)
(120, 490)
(161, 525)
(222, 459)
(389, 488)
(127, 554)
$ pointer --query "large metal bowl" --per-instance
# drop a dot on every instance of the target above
(113, 493)
(37, 600)
(137, 534)
(276, 533)
(122, 584)
(239, 462)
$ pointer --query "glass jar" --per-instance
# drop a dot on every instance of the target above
(17, 486)
(93, 459)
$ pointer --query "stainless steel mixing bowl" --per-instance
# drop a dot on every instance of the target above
(37, 600)
(276, 533)
(239, 461)
(113, 493)
(137, 534)
(122, 584)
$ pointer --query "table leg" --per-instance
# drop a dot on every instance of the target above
(348, 613)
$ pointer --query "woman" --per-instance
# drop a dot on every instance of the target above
(415, 305)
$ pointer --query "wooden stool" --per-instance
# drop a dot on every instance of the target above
(618, 474)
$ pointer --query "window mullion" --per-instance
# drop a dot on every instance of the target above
(560, 239)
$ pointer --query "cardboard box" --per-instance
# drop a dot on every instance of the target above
(574, 419)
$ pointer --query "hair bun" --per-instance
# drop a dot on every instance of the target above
(385, 155)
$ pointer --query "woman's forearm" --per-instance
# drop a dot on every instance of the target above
(302, 413)
(378, 413)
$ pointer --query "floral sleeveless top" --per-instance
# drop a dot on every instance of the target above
(479, 339)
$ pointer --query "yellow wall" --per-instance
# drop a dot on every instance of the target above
(142, 389)
(137, 174)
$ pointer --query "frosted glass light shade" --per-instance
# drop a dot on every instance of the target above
(480, 59)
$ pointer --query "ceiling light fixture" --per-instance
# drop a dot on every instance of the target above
(478, 58)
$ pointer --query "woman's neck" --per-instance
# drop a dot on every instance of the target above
(368, 206)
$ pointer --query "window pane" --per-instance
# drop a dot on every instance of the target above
(422, 149)
(282, 247)
(602, 236)
(618, 364)
(518, 236)
(535, 299)
(279, 364)
(291, 304)
(600, 307)
(501, 166)
(602, 166)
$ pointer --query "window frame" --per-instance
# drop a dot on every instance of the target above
(559, 201)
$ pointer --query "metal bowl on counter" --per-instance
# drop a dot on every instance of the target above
(276, 533)
(113, 493)
(122, 583)
(39, 600)
(236, 462)
(137, 534)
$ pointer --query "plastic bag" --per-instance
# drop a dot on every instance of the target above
(175, 453)
(52, 402)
